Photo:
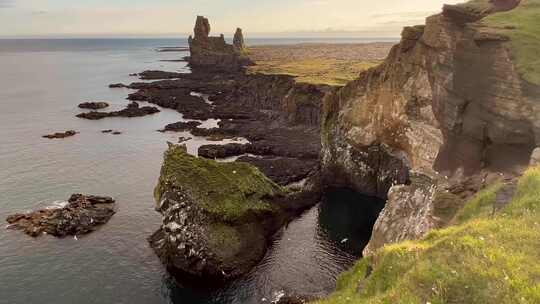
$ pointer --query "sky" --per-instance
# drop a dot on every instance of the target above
(258, 18)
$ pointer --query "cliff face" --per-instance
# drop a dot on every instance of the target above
(213, 52)
(448, 100)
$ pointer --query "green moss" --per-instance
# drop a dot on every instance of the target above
(222, 237)
(522, 25)
(483, 259)
(228, 191)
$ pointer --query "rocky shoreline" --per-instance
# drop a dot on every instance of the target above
(81, 214)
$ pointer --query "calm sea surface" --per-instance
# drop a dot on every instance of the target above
(41, 83)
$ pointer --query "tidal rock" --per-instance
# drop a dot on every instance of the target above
(132, 110)
(155, 75)
(213, 52)
(117, 85)
(217, 217)
(82, 214)
(61, 134)
(181, 126)
(94, 105)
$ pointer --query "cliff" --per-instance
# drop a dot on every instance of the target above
(215, 53)
(452, 105)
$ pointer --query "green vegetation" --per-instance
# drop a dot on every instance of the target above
(522, 25)
(337, 72)
(228, 191)
(484, 258)
(222, 237)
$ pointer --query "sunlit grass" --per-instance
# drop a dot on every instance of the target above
(315, 70)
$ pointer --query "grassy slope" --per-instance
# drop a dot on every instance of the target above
(228, 191)
(522, 25)
(481, 259)
(315, 70)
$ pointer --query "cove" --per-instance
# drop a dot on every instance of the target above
(305, 258)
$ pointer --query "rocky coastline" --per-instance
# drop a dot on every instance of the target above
(446, 116)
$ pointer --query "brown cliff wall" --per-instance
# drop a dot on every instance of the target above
(447, 102)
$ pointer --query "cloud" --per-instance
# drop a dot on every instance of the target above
(7, 3)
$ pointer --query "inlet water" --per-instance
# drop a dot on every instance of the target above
(41, 84)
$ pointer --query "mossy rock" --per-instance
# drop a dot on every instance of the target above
(227, 191)
(217, 217)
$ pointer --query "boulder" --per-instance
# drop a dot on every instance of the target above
(61, 134)
(132, 110)
(94, 105)
(82, 214)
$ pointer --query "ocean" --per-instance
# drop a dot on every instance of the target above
(42, 81)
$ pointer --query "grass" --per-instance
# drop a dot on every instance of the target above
(481, 259)
(227, 191)
(335, 72)
(522, 25)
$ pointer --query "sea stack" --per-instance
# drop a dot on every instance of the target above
(214, 53)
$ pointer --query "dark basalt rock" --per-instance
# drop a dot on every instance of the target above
(117, 85)
(82, 214)
(282, 170)
(94, 105)
(181, 126)
(132, 110)
(155, 75)
(183, 139)
(61, 134)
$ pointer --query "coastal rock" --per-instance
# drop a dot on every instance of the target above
(94, 105)
(238, 40)
(117, 85)
(181, 126)
(132, 110)
(154, 75)
(213, 52)
(81, 215)
(61, 134)
(217, 217)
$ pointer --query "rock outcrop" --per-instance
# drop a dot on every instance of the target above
(447, 102)
(214, 53)
(98, 105)
(132, 110)
(217, 217)
(59, 135)
(82, 214)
